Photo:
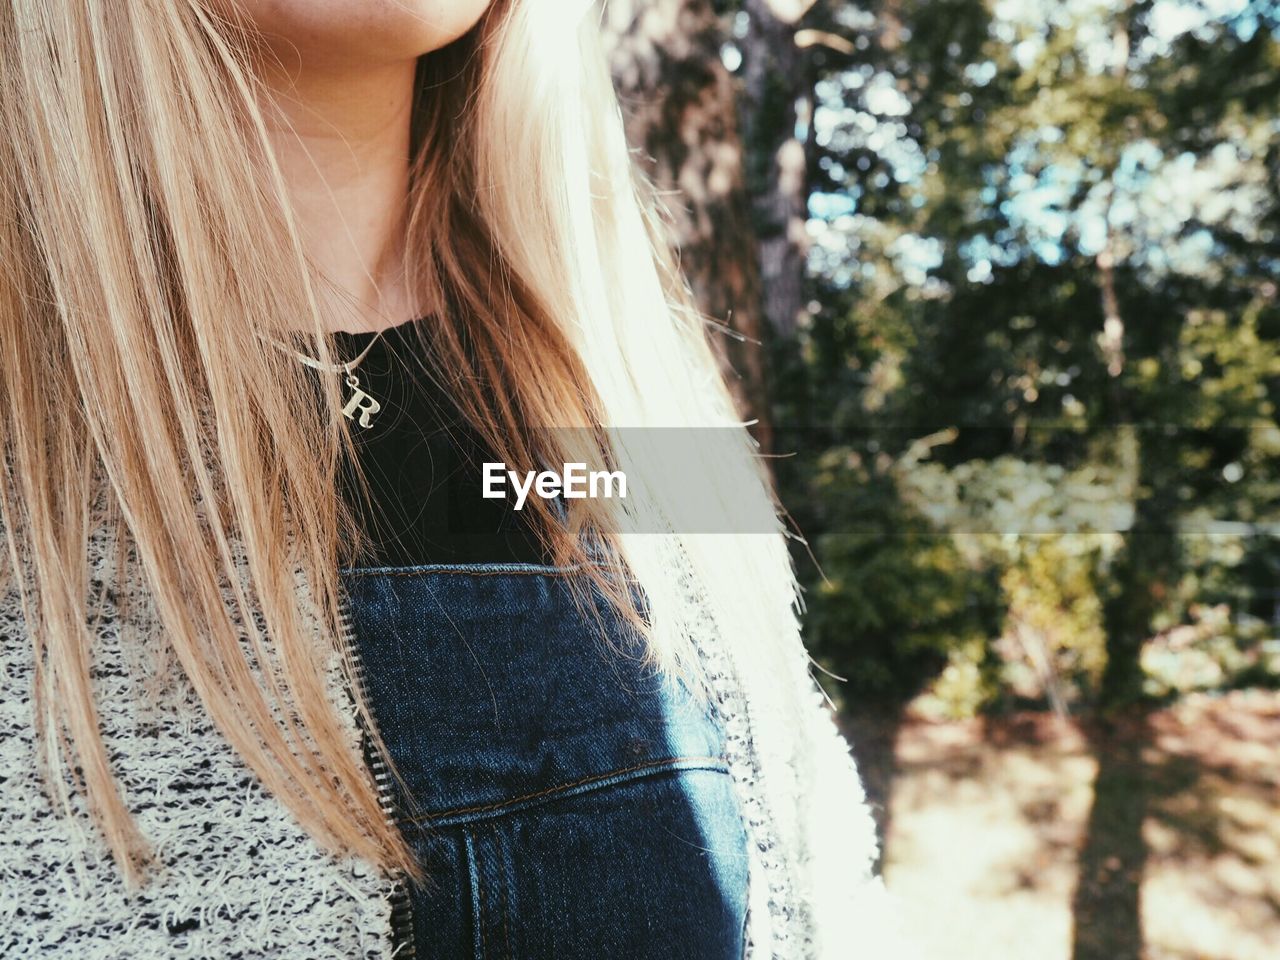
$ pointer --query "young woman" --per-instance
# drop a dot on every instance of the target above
(277, 277)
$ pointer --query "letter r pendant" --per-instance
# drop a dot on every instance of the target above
(361, 403)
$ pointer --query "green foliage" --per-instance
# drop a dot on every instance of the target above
(1210, 651)
(893, 596)
(1035, 402)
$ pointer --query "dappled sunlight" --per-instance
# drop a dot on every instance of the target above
(991, 832)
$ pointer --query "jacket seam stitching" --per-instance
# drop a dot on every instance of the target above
(460, 571)
(428, 818)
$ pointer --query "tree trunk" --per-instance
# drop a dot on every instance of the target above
(678, 100)
(774, 85)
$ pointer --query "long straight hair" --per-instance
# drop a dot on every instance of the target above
(147, 246)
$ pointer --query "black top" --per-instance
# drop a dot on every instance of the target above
(422, 462)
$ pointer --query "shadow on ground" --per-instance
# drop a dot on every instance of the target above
(1154, 836)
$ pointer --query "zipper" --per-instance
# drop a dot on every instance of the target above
(402, 940)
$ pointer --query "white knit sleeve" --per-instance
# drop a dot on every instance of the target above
(850, 912)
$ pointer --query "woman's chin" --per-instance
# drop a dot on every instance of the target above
(364, 31)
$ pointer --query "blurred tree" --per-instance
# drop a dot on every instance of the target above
(1050, 228)
(679, 105)
(1036, 284)
(776, 109)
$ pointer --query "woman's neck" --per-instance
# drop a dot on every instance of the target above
(341, 133)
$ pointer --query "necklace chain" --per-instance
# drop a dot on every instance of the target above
(361, 406)
(345, 366)
(342, 367)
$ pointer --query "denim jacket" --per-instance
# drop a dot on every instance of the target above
(239, 878)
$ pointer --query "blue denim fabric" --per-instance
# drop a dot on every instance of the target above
(566, 801)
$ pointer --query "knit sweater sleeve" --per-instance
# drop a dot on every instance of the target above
(234, 874)
(851, 914)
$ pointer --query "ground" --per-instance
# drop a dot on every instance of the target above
(1155, 836)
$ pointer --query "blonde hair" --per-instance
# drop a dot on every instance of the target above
(145, 239)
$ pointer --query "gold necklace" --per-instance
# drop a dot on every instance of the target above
(361, 406)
